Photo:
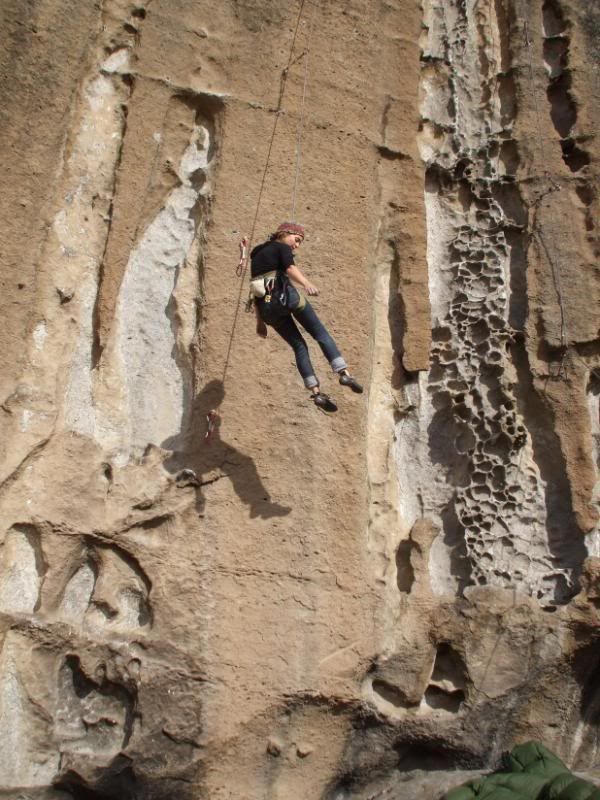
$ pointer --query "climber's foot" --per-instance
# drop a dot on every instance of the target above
(347, 380)
(324, 402)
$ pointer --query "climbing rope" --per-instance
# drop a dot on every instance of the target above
(246, 244)
(300, 126)
(278, 110)
(554, 263)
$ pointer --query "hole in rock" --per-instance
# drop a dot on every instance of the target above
(82, 686)
(509, 199)
(574, 158)
(448, 355)
(436, 373)
(198, 179)
(555, 55)
(433, 183)
(498, 483)
(441, 334)
(94, 715)
(562, 108)
(449, 667)
(405, 574)
(116, 782)
(465, 441)
(508, 99)
(563, 590)
(465, 196)
(587, 674)
(552, 19)
(441, 400)
(439, 700)
(480, 492)
(509, 156)
(391, 694)
(586, 194)
(480, 331)
(461, 169)
(451, 108)
(496, 322)
(462, 412)
(433, 756)
(454, 540)
(501, 446)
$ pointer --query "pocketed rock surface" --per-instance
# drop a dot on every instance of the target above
(368, 605)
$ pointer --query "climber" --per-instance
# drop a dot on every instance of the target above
(276, 257)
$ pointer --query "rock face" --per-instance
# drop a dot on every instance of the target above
(366, 605)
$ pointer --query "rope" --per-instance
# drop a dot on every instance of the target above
(300, 127)
(555, 267)
(282, 85)
(241, 271)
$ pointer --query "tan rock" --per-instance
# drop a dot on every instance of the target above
(372, 604)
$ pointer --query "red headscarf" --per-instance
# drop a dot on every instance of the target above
(290, 227)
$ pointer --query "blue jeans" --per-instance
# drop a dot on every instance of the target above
(289, 331)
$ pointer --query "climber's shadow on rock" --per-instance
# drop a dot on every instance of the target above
(205, 460)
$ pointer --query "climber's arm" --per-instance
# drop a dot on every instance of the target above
(296, 275)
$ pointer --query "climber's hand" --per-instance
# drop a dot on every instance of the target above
(310, 289)
(261, 329)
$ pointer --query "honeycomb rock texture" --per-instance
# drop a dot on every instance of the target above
(272, 602)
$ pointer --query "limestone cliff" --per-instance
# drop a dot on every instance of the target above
(362, 605)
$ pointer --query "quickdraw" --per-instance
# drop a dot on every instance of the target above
(243, 262)
(241, 269)
(211, 418)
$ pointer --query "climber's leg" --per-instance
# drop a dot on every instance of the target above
(289, 332)
(309, 320)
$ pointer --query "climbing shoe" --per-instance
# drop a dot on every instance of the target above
(324, 402)
(348, 380)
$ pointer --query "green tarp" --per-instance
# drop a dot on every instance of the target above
(531, 772)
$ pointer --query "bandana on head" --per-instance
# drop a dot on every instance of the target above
(290, 227)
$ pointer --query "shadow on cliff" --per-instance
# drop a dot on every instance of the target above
(212, 459)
